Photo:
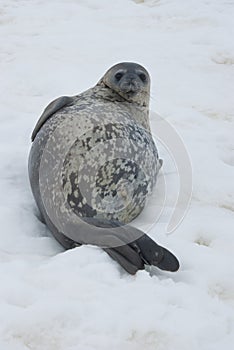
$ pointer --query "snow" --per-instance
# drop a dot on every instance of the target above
(81, 299)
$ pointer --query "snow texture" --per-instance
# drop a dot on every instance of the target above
(81, 299)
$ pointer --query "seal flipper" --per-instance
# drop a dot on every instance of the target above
(144, 251)
(125, 255)
(125, 263)
(119, 254)
(113, 238)
(169, 262)
(154, 254)
(52, 108)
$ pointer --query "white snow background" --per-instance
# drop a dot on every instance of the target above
(81, 299)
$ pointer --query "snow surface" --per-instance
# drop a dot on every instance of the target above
(81, 299)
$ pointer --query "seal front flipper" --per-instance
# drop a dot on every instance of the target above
(52, 108)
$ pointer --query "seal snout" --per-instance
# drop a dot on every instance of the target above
(130, 83)
(129, 80)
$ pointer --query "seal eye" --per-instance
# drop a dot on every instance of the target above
(118, 76)
(142, 76)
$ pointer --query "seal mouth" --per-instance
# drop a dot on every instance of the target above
(131, 93)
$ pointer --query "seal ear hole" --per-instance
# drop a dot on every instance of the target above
(142, 76)
(118, 76)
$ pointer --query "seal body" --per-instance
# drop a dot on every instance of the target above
(93, 158)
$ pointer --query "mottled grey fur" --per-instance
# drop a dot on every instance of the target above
(93, 160)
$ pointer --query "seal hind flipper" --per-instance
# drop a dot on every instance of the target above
(52, 108)
(169, 262)
(156, 255)
(144, 251)
(139, 252)
(113, 237)
(124, 261)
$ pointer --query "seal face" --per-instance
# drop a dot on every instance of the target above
(131, 81)
(93, 159)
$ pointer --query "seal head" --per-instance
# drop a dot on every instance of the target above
(130, 80)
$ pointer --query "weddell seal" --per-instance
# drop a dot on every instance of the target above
(93, 163)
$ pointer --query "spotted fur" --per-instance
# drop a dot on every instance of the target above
(93, 154)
